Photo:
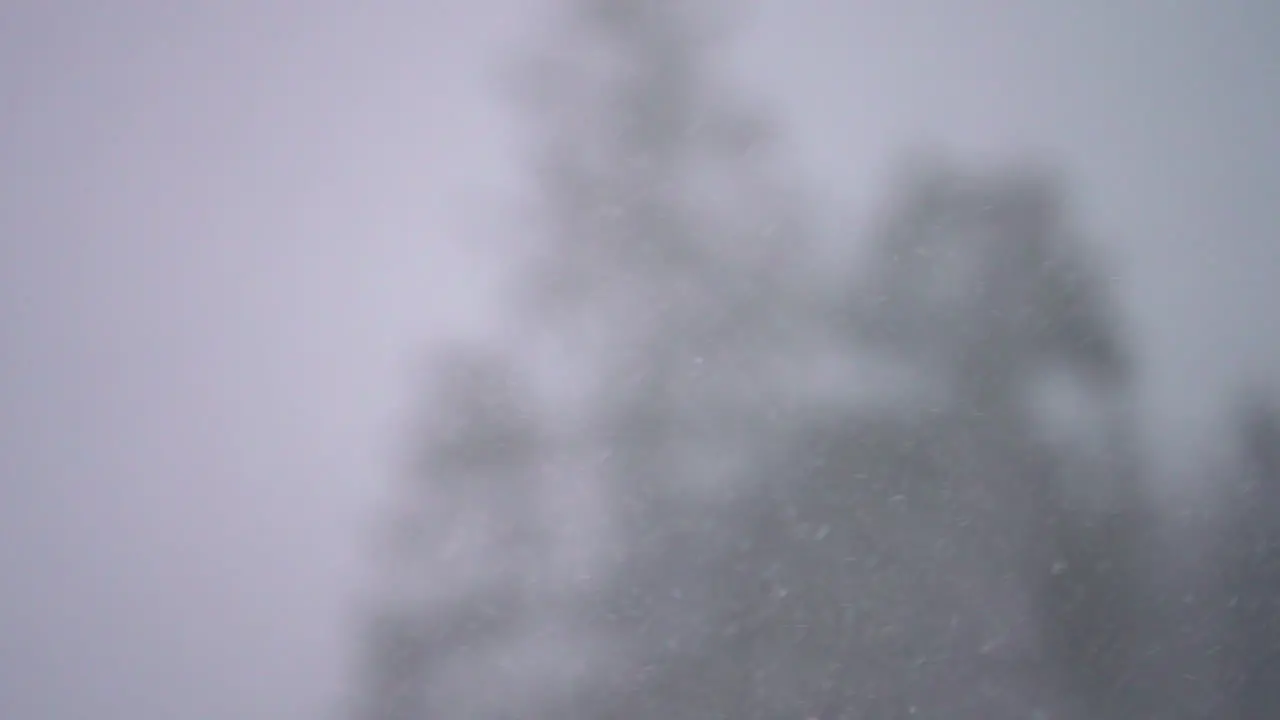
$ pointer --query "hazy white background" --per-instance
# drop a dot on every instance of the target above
(227, 229)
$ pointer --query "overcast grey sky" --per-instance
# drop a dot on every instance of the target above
(226, 229)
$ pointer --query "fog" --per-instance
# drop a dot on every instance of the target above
(231, 232)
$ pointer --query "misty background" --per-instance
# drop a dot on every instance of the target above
(232, 232)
